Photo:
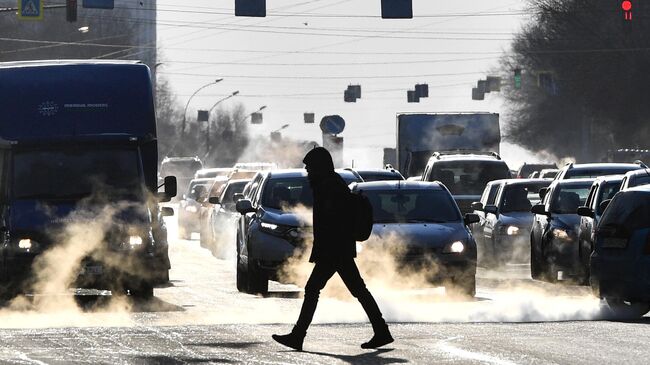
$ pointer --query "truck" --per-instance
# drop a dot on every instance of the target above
(78, 138)
(420, 135)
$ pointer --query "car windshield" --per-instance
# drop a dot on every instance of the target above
(75, 173)
(181, 168)
(231, 190)
(608, 190)
(468, 177)
(412, 206)
(593, 173)
(640, 180)
(629, 210)
(284, 193)
(567, 199)
(520, 197)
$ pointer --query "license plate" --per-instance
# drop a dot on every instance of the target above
(613, 242)
(93, 270)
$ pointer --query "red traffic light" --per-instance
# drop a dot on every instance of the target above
(626, 5)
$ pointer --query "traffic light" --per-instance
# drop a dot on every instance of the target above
(517, 78)
(412, 96)
(493, 83)
(422, 90)
(253, 8)
(477, 95)
(352, 93)
(397, 9)
(256, 118)
(71, 10)
(481, 85)
(203, 116)
(309, 117)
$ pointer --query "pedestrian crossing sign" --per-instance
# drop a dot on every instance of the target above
(30, 9)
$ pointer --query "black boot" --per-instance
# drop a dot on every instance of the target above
(293, 340)
(381, 338)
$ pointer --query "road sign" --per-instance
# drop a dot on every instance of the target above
(30, 9)
(98, 4)
(332, 124)
(203, 116)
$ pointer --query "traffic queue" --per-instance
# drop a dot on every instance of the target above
(466, 210)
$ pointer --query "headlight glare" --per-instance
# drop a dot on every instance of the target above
(454, 247)
(135, 240)
(25, 244)
(191, 209)
(512, 230)
(269, 226)
(561, 234)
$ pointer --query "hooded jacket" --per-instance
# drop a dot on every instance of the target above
(332, 213)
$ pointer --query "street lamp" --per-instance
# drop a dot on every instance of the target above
(281, 128)
(207, 136)
(188, 104)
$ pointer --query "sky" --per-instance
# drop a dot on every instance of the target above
(305, 53)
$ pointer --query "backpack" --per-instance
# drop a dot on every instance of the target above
(363, 219)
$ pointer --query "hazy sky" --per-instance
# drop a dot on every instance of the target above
(304, 54)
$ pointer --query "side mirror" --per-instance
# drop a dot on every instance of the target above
(167, 211)
(237, 197)
(542, 193)
(214, 200)
(539, 209)
(244, 206)
(491, 209)
(477, 206)
(603, 205)
(471, 218)
(585, 212)
(170, 189)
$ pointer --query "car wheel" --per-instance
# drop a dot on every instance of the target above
(142, 291)
(624, 309)
(535, 264)
(463, 284)
(258, 282)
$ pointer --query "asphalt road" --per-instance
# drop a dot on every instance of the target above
(201, 318)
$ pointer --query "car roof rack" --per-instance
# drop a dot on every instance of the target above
(641, 163)
(389, 167)
(439, 154)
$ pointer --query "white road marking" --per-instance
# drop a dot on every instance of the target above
(470, 355)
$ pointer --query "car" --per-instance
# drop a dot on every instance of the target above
(604, 188)
(528, 168)
(223, 216)
(213, 172)
(214, 190)
(593, 170)
(255, 166)
(430, 226)
(533, 175)
(620, 261)
(269, 230)
(183, 168)
(465, 173)
(505, 220)
(548, 173)
(554, 236)
(190, 205)
(368, 175)
(635, 178)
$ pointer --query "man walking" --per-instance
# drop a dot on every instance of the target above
(333, 251)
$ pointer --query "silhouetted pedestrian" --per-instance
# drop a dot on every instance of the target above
(333, 251)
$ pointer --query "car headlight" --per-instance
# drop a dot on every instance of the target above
(135, 240)
(191, 209)
(562, 234)
(454, 247)
(28, 245)
(512, 230)
(269, 226)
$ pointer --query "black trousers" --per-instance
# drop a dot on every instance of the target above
(349, 273)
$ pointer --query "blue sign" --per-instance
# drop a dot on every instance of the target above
(332, 124)
(30, 9)
(98, 4)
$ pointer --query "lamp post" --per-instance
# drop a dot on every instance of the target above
(188, 104)
(276, 135)
(207, 136)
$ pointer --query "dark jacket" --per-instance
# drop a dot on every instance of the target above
(332, 214)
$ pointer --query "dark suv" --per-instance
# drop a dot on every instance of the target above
(554, 236)
(465, 174)
(270, 229)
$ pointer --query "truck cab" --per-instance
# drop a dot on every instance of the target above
(78, 162)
